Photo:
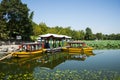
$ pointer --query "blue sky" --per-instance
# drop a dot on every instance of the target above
(100, 15)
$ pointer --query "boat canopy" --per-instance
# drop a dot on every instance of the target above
(54, 36)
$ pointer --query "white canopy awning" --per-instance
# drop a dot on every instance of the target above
(54, 36)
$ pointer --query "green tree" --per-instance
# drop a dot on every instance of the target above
(88, 35)
(43, 27)
(99, 36)
(68, 31)
(58, 30)
(52, 30)
(37, 31)
(74, 35)
(105, 37)
(3, 31)
(118, 36)
(15, 18)
(82, 35)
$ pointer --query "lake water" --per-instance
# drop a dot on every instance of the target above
(105, 64)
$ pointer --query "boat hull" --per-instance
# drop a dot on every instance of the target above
(78, 50)
(26, 54)
(64, 49)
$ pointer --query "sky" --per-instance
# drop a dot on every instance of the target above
(99, 15)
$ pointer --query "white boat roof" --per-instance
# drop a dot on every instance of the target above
(54, 35)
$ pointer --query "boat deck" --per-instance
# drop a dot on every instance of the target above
(52, 50)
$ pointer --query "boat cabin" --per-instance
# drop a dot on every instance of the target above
(53, 40)
(30, 47)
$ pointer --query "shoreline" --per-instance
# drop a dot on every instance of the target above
(6, 49)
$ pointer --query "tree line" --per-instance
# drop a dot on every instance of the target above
(86, 34)
(16, 20)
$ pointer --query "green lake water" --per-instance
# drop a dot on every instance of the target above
(104, 65)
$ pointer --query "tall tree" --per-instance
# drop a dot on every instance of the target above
(15, 16)
(88, 35)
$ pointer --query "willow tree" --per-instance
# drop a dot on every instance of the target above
(14, 17)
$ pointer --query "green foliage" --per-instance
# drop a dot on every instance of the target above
(104, 44)
(112, 37)
(63, 75)
(99, 36)
(89, 34)
(81, 35)
(15, 19)
(43, 29)
(74, 34)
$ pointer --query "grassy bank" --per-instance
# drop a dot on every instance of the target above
(104, 44)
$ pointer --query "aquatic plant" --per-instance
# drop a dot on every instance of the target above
(63, 75)
(20, 76)
(104, 44)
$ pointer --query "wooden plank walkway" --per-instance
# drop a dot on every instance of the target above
(7, 56)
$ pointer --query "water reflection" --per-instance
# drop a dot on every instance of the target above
(63, 63)
(50, 61)
(80, 56)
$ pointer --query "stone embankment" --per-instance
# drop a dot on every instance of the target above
(6, 49)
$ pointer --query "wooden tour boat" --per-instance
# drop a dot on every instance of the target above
(53, 42)
(28, 49)
(78, 47)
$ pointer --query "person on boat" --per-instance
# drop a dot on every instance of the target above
(19, 48)
(28, 48)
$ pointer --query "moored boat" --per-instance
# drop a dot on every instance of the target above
(53, 42)
(78, 47)
(28, 50)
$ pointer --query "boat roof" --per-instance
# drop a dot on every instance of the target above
(54, 36)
